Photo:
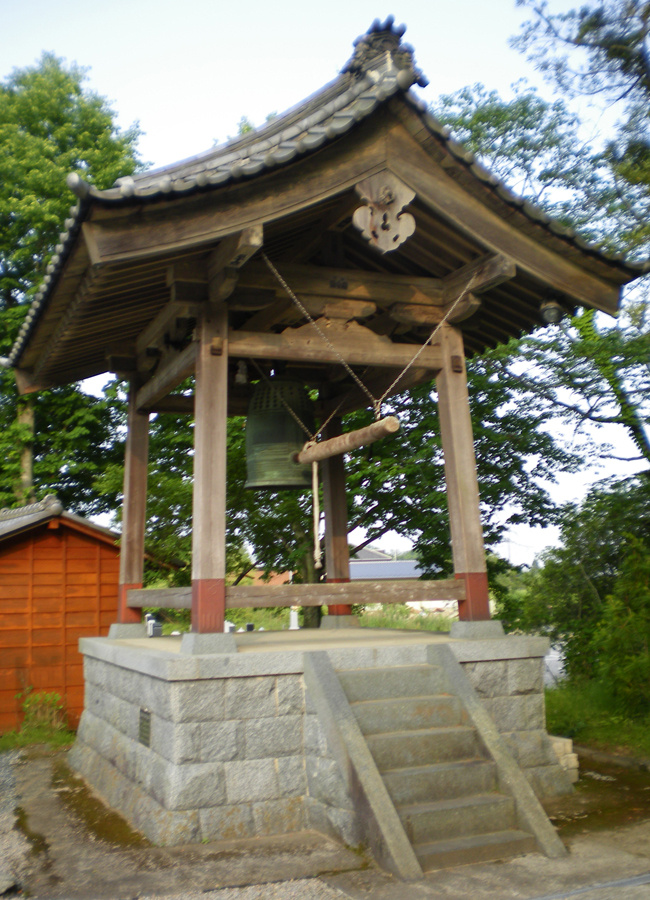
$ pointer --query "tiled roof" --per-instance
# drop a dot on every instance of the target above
(13, 521)
(380, 68)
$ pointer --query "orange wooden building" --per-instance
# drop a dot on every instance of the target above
(58, 583)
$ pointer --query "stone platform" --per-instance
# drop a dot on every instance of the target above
(219, 746)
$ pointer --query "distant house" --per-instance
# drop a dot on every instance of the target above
(58, 583)
(371, 564)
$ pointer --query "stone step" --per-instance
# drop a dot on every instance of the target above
(441, 781)
(474, 849)
(408, 713)
(458, 817)
(393, 682)
(401, 749)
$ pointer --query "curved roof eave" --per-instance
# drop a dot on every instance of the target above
(320, 119)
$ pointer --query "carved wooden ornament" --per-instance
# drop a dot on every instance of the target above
(382, 221)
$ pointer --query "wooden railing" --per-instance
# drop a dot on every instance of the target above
(353, 592)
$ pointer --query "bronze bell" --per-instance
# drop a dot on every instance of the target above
(273, 436)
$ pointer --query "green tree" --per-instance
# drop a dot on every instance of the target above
(600, 50)
(622, 639)
(567, 596)
(50, 126)
(589, 370)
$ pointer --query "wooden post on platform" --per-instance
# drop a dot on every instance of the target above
(337, 556)
(460, 473)
(209, 496)
(134, 507)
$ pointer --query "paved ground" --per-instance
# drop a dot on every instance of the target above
(59, 855)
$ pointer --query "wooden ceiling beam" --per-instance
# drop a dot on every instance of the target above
(381, 288)
(354, 343)
(479, 275)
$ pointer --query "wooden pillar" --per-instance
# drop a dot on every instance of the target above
(460, 473)
(209, 496)
(337, 555)
(134, 507)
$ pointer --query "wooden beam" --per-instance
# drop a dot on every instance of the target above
(134, 507)
(209, 488)
(165, 322)
(27, 383)
(313, 239)
(131, 234)
(174, 370)
(236, 249)
(382, 288)
(460, 473)
(437, 190)
(482, 274)
(429, 316)
(285, 312)
(356, 344)
(177, 404)
(335, 507)
(323, 594)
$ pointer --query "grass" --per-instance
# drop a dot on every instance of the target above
(388, 615)
(588, 713)
(37, 734)
(398, 615)
(44, 722)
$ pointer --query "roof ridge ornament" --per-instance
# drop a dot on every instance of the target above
(382, 45)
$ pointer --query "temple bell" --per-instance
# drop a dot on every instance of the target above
(273, 436)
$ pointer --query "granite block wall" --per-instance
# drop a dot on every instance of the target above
(512, 691)
(228, 758)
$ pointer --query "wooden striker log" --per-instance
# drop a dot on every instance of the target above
(351, 440)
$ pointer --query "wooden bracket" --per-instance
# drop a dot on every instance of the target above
(382, 222)
(229, 257)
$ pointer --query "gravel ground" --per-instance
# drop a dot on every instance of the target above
(303, 889)
(13, 845)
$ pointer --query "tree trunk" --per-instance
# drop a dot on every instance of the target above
(311, 615)
(25, 418)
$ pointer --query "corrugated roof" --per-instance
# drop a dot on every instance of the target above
(375, 570)
(380, 68)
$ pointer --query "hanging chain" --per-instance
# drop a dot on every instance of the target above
(427, 342)
(376, 403)
(311, 321)
(277, 393)
(311, 437)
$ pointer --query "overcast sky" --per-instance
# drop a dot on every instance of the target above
(188, 70)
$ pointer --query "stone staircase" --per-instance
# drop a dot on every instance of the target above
(434, 767)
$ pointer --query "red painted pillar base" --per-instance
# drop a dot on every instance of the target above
(125, 614)
(339, 609)
(476, 606)
(208, 605)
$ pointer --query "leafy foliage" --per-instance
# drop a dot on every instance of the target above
(600, 50)
(567, 597)
(50, 126)
(623, 636)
